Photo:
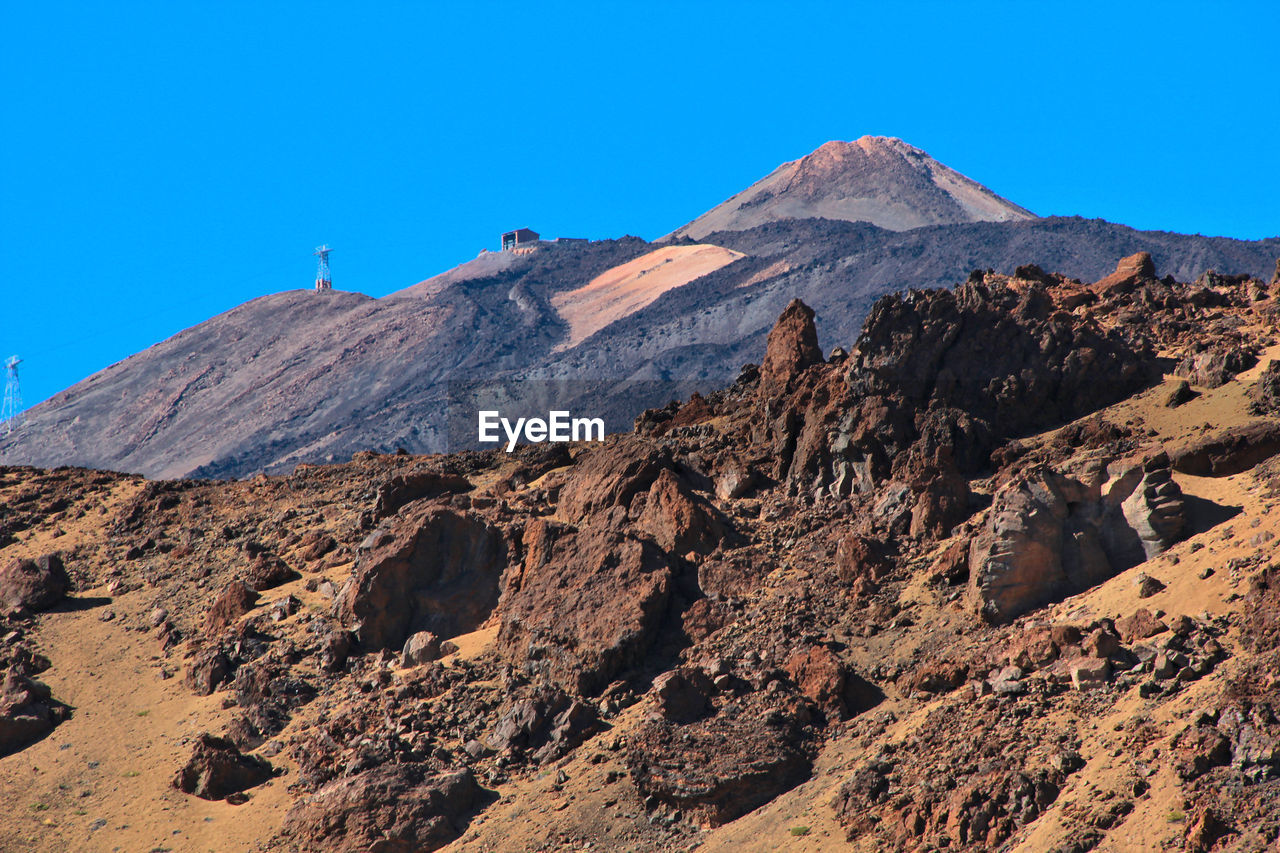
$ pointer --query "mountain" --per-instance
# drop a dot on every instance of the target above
(608, 328)
(993, 581)
(876, 179)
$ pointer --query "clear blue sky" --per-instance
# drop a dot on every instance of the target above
(163, 162)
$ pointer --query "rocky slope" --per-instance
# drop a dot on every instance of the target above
(310, 377)
(994, 575)
(876, 179)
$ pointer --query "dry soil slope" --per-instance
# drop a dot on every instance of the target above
(876, 179)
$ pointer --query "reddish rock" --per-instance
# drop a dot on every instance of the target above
(267, 571)
(1129, 273)
(235, 600)
(315, 545)
(678, 519)
(721, 767)
(592, 609)
(792, 347)
(436, 570)
(1139, 625)
(610, 476)
(393, 808)
(218, 769)
(860, 559)
(33, 585)
(835, 688)
(939, 677)
(402, 489)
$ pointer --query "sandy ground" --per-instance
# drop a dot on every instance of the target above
(627, 288)
(101, 781)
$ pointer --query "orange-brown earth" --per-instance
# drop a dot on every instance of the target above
(997, 577)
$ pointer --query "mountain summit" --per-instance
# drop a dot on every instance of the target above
(878, 179)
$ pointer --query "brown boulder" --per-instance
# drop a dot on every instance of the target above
(392, 808)
(422, 647)
(679, 520)
(1228, 451)
(403, 489)
(235, 600)
(436, 570)
(545, 725)
(1213, 368)
(610, 476)
(719, 768)
(1140, 625)
(267, 571)
(27, 712)
(792, 347)
(1050, 534)
(835, 688)
(218, 769)
(1129, 273)
(33, 585)
(592, 609)
(683, 695)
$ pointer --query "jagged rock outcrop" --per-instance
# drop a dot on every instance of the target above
(433, 569)
(936, 381)
(1216, 366)
(1051, 534)
(393, 808)
(792, 346)
(589, 597)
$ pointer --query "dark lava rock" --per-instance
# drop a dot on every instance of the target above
(394, 808)
(33, 585)
(27, 712)
(217, 769)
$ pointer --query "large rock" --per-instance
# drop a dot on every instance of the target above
(680, 520)
(544, 725)
(1228, 451)
(831, 684)
(721, 767)
(436, 569)
(1216, 366)
(33, 585)
(792, 346)
(27, 712)
(218, 769)
(586, 605)
(1050, 534)
(235, 600)
(392, 808)
(1129, 273)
